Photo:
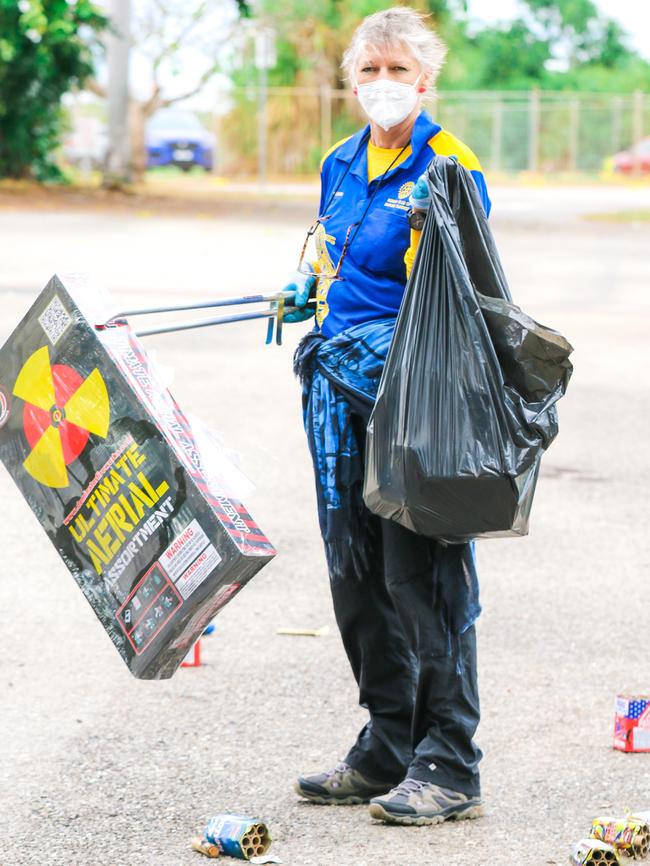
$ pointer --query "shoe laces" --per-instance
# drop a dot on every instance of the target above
(341, 768)
(411, 786)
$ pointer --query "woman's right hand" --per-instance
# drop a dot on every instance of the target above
(302, 285)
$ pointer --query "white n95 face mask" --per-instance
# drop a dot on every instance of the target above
(388, 102)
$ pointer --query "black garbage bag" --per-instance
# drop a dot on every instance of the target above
(466, 403)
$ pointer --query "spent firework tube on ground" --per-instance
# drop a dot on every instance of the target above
(591, 851)
(238, 836)
(111, 468)
(632, 723)
(630, 835)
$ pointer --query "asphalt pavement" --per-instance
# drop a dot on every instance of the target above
(99, 769)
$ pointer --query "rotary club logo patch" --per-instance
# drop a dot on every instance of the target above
(406, 189)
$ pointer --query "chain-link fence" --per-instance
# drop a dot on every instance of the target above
(285, 130)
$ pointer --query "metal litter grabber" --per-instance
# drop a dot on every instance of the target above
(279, 305)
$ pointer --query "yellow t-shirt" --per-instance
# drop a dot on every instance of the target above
(380, 158)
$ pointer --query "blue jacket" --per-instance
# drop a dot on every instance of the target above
(373, 271)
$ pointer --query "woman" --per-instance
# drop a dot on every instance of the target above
(405, 619)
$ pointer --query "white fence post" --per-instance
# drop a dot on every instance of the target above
(534, 118)
(617, 123)
(574, 134)
(325, 118)
(637, 127)
(496, 155)
(265, 59)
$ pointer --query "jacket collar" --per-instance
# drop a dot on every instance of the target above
(423, 130)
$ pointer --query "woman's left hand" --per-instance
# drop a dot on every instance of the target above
(420, 198)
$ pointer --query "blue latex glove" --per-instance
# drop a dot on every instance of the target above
(302, 285)
(420, 198)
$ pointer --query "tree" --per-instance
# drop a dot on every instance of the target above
(313, 36)
(553, 44)
(311, 39)
(508, 57)
(45, 50)
(117, 162)
(575, 27)
(169, 35)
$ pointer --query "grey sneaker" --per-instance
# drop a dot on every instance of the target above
(341, 786)
(416, 802)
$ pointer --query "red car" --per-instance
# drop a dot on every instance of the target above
(636, 158)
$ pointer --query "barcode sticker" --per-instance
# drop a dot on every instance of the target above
(55, 320)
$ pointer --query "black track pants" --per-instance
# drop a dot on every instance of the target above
(418, 685)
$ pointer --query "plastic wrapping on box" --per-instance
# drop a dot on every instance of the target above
(466, 403)
(220, 464)
(109, 465)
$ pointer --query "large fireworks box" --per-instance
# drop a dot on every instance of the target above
(111, 468)
(632, 723)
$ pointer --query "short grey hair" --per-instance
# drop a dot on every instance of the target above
(398, 26)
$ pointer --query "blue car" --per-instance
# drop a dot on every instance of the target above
(178, 138)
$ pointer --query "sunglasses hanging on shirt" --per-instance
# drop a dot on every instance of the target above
(353, 229)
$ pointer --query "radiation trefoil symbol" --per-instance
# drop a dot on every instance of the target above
(61, 410)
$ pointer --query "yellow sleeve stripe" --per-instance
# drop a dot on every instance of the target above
(446, 144)
(409, 255)
(333, 148)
